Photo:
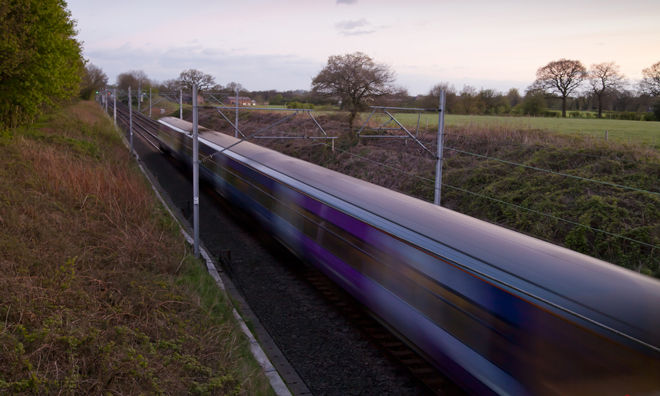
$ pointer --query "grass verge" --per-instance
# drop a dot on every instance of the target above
(624, 131)
(98, 291)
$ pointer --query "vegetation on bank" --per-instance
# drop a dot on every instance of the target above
(99, 293)
(624, 215)
(40, 59)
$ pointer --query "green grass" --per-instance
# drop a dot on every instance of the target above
(619, 130)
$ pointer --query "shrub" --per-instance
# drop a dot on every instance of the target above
(550, 113)
(299, 105)
(649, 117)
(574, 114)
(631, 115)
(533, 105)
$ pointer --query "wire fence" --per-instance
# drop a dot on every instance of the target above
(568, 224)
(498, 200)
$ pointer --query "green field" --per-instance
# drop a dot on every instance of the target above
(645, 132)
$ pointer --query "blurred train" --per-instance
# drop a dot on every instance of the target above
(501, 313)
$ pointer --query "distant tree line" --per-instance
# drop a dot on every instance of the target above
(564, 85)
(354, 82)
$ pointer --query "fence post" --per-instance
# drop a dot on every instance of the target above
(441, 138)
(236, 123)
(181, 104)
(130, 117)
(114, 108)
(195, 174)
(606, 135)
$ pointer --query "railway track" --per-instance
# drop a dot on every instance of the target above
(397, 349)
(382, 335)
(142, 125)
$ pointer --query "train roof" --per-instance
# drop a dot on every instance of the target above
(537, 266)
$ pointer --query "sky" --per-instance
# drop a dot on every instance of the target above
(283, 44)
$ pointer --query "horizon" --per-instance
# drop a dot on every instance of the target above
(266, 45)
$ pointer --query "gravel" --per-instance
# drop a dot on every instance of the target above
(329, 353)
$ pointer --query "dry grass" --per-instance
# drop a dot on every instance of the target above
(410, 169)
(97, 292)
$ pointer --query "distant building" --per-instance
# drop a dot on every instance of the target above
(242, 101)
(187, 98)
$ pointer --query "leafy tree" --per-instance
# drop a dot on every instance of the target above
(40, 59)
(276, 100)
(93, 79)
(533, 104)
(189, 77)
(469, 99)
(650, 83)
(489, 99)
(604, 78)
(514, 97)
(134, 79)
(560, 77)
(355, 79)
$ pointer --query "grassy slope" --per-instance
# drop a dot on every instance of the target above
(98, 292)
(631, 214)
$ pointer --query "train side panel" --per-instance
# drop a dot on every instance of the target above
(490, 339)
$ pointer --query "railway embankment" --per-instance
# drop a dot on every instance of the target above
(99, 293)
(600, 198)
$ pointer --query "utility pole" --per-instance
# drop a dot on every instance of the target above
(195, 161)
(130, 117)
(139, 97)
(441, 139)
(149, 101)
(236, 123)
(105, 98)
(114, 108)
(181, 104)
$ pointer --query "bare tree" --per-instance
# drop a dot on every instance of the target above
(217, 88)
(355, 79)
(234, 86)
(93, 79)
(450, 95)
(650, 83)
(189, 77)
(604, 78)
(133, 79)
(560, 77)
(169, 85)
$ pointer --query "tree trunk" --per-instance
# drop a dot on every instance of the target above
(351, 119)
(563, 106)
(600, 107)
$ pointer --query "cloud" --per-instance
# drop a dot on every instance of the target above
(347, 2)
(256, 72)
(351, 28)
(347, 25)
